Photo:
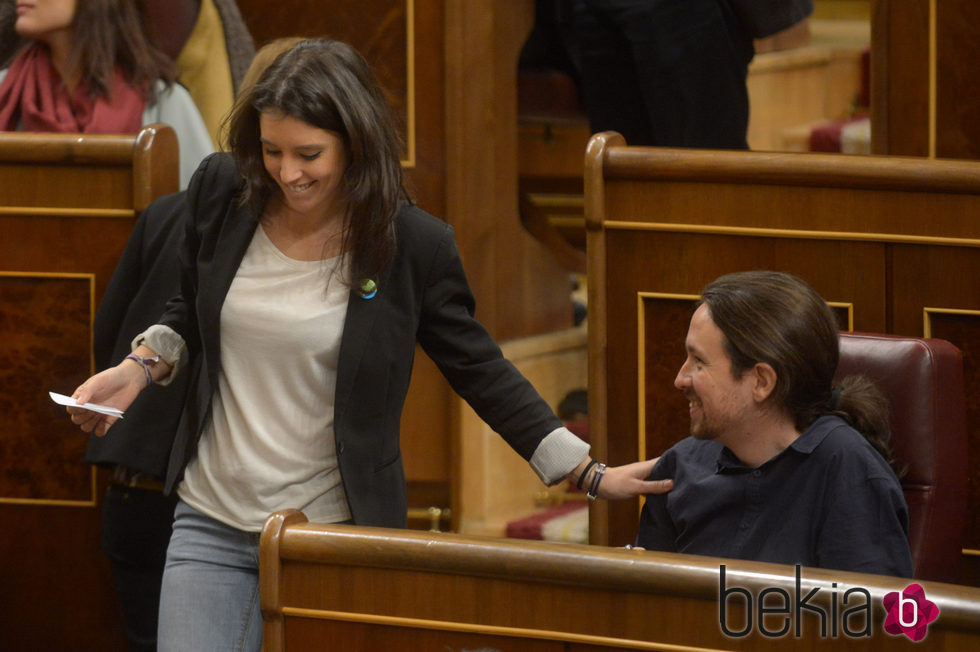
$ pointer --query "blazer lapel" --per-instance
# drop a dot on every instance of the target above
(216, 276)
(361, 314)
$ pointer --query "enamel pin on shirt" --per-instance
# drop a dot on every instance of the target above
(368, 288)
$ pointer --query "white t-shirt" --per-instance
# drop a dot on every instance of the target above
(270, 442)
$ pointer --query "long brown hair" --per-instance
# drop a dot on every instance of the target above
(778, 319)
(328, 85)
(107, 33)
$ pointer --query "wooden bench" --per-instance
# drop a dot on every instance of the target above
(892, 243)
(355, 588)
(67, 205)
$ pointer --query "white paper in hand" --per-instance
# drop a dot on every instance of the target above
(61, 399)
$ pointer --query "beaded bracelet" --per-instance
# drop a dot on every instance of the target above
(581, 478)
(145, 363)
(593, 491)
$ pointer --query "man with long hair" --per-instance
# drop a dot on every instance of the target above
(781, 466)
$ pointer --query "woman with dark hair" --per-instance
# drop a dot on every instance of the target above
(87, 66)
(307, 281)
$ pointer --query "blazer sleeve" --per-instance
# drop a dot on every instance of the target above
(471, 360)
(119, 293)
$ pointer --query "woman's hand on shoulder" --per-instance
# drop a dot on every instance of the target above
(630, 480)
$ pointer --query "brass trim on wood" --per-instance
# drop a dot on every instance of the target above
(557, 200)
(802, 234)
(41, 502)
(51, 211)
(927, 320)
(490, 630)
(409, 162)
(933, 81)
(850, 311)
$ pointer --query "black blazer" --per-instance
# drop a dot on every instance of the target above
(422, 297)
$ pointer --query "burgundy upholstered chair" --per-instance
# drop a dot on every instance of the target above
(923, 380)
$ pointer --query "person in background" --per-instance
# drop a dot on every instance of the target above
(87, 66)
(781, 465)
(136, 513)
(669, 72)
(307, 281)
(212, 48)
(265, 56)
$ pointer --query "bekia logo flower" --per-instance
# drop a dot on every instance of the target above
(909, 612)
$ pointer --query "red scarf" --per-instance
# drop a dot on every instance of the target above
(33, 98)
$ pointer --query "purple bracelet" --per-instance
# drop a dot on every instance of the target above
(145, 363)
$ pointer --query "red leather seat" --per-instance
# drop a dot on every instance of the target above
(923, 380)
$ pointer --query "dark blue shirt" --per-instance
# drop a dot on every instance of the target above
(828, 500)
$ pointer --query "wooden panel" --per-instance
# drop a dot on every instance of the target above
(376, 28)
(521, 289)
(925, 95)
(357, 588)
(46, 333)
(67, 205)
(900, 72)
(931, 299)
(885, 239)
(957, 84)
(314, 634)
(962, 327)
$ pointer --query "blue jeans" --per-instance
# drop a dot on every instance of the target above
(210, 595)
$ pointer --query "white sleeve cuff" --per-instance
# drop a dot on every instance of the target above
(557, 455)
(166, 343)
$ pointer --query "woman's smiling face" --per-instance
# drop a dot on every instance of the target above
(307, 163)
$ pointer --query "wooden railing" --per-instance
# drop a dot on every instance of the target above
(354, 588)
